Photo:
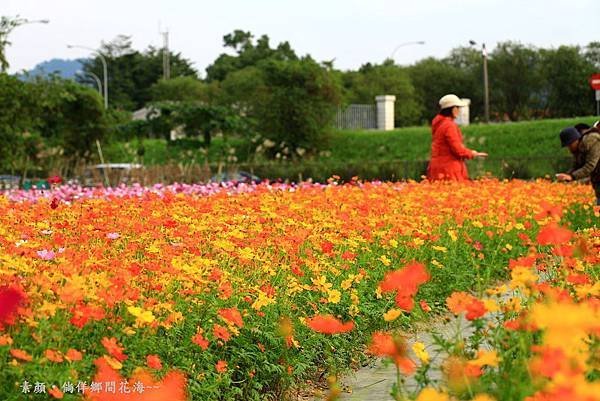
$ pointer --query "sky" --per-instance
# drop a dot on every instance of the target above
(353, 32)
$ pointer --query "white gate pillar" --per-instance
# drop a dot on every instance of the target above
(385, 112)
(463, 116)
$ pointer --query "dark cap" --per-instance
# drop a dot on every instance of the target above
(568, 136)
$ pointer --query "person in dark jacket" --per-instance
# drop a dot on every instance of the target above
(585, 148)
(448, 152)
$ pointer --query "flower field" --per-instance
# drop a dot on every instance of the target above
(247, 293)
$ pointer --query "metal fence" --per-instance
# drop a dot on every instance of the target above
(357, 116)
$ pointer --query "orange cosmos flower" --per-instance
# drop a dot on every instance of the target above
(153, 361)
(553, 234)
(408, 278)
(53, 356)
(73, 355)
(56, 393)
(113, 348)
(327, 324)
(458, 302)
(221, 366)
(199, 340)
(221, 332)
(20, 354)
(172, 387)
(393, 347)
(233, 316)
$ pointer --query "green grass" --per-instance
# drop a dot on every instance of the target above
(516, 149)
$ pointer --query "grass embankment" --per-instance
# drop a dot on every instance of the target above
(522, 150)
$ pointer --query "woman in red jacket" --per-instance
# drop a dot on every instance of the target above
(448, 153)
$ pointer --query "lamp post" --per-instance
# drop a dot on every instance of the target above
(95, 77)
(105, 67)
(486, 89)
(419, 42)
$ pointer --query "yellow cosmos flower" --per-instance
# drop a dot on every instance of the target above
(142, 316)
(419, 350)
(485, 358)
(347, 283)
(391, 315)
(393, 243)
(437, 264)
(452, 235)
(334, 296)
(440, 248)
(522, 277)
(431, 394)
(262, 301)
(491, 305)
(384, 259)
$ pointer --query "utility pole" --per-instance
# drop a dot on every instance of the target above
(486, 87)
(166, 54)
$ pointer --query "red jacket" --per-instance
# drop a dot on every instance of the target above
(447, 151)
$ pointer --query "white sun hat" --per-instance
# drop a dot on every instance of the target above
(451, 101)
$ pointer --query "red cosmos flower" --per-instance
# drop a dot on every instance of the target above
(113, 348)
(233, 316)
(327, 247)
(347, 255)
(328, 324)
(221, 332)
(54, 203)
(395, 348)
(10, 299)
(475, 309)
(553, 234)
(55, 179)
(153, 362)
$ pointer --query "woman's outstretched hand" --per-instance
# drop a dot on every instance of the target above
(479, 154)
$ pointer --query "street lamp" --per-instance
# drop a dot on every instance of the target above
(486, 89)
(419, 42)
(104, 65)
(35, 21)
(94, 76)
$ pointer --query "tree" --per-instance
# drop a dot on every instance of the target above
(369, 81)
(515, 80)
(196, 119)
(592, 54)
(566, 71)
(131, 73)
(248, 54)
(300, 102)
(43, 118)
(7, 25)
(183, 88)
(433, 78)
